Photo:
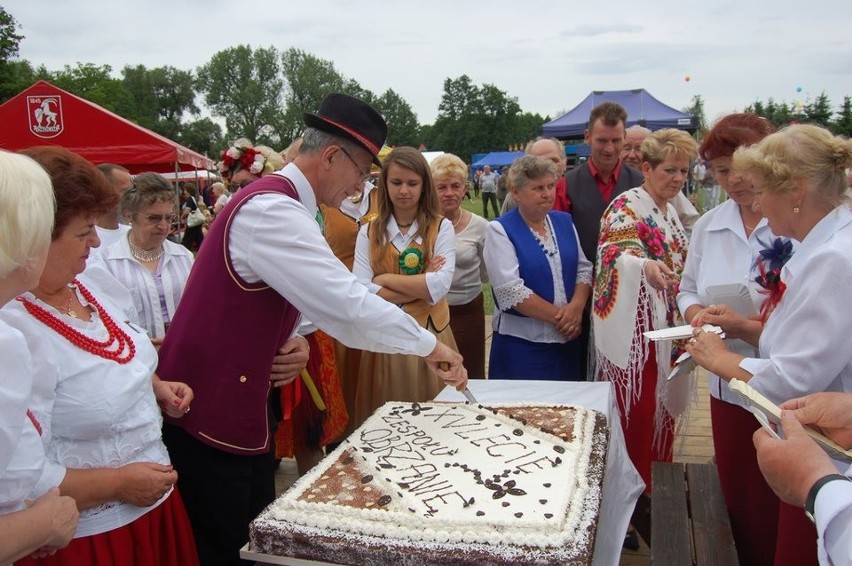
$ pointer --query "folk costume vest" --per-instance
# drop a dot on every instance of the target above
(230, 408)
(424, 313)
(533, 266)
(341, 230)
(587, 205)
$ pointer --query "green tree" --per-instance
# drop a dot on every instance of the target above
(819, 111)
(95, 84)
(10, 39)
(308, 79)
(474, 119)
(401, 119)
(204, 136)
(161, 97)
(696, 109)
(843, 124)
(244, 86)
(15, 76)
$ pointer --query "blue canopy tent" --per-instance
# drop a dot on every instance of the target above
(642, 109)
(496, 159)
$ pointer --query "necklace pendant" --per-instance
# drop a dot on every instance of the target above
(71, 313)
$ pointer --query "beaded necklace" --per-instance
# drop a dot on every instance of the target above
(113, 348)
(547, 243)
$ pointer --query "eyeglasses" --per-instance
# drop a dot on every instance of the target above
(157, 218)
(364, 175)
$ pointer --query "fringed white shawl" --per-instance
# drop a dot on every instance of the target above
(624, 305)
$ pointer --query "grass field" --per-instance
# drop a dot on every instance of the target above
(476, 208)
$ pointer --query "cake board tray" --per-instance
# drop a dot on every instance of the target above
(260, 558)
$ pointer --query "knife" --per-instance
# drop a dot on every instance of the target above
(469, 396)
(466, 392)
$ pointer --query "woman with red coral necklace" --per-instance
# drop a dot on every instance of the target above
(641, 252)
(95, 394)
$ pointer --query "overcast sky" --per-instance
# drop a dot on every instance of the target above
(548, 54)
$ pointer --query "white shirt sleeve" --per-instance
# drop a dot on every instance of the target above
(362, 268)
(501, 261)
(833, 515)
(275, 239)
(584, 266)
(804, 346)
(439, 282)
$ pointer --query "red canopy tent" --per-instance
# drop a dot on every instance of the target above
(46, 115)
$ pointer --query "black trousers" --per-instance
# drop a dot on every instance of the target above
(223, 493)
(492, 198)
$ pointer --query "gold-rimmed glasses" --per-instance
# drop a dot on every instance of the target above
(364, 174)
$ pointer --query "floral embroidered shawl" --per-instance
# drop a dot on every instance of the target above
(624, 305)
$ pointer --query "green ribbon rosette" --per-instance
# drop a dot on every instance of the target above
(411, 261)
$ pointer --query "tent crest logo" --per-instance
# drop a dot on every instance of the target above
(45, 115)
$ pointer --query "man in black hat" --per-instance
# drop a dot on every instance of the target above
(266, 263)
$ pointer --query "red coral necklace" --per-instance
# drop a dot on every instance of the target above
(117, 347)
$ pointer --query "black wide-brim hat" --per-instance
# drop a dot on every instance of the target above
(353, 119)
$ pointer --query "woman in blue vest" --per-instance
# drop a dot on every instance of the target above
(540, 278)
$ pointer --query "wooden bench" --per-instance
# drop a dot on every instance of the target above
(689, 521)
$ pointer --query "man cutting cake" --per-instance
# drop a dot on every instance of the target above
(266, 262)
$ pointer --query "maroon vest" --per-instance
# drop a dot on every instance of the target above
(223, 338)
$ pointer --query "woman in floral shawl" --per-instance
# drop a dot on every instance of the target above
(407, 255)
(641, 253)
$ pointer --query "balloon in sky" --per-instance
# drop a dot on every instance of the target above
(798, 89)
(687, 78)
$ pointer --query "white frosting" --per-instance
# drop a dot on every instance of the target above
(454, 473)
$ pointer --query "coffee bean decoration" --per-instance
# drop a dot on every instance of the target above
(367, 479)
(384, 500)
(519, 514)
(480, 417)
(559, 449)
(480, 513)
(506, 504)
(518, 432)
(542, 501)
(548, 515)
(547, 484)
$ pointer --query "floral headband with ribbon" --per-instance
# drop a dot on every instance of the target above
(241, 155)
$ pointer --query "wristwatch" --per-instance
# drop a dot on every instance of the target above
(810, 502)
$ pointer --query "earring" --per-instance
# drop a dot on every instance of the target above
(795, 210)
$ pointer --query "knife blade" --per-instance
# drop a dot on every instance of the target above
(469, 396)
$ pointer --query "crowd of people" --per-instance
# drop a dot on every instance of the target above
(155, 386)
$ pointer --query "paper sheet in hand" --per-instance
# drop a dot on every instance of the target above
(683, 366)
(756, 400)
(735, 295)
(680, 332)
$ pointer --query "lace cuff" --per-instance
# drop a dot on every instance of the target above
(512, 293)
(584, 277)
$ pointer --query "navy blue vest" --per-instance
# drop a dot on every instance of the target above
(533, 266)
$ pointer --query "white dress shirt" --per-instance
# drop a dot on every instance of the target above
(438, 282)
(94, 413)
(501, 260)
(276, 239)
(172, 270)
(21, 450)
(833, 517)
(804, 347)
(719, 254)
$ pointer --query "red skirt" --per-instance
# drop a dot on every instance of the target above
(161, 537)
(639, 427)
(752, 505)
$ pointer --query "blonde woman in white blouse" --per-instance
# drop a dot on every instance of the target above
(467, 312)
(151, 267)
